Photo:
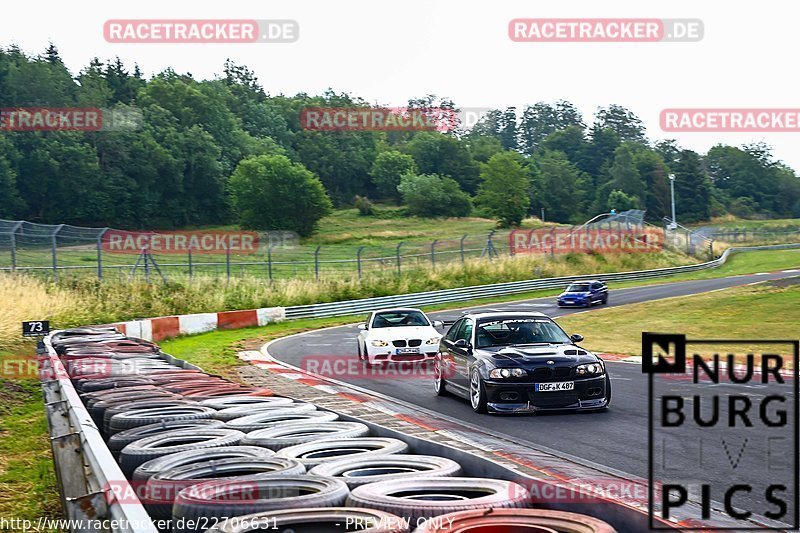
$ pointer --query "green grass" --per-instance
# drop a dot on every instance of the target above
(730, 222)
(764, 311)
(27, 479)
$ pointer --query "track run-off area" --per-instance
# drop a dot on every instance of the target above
(613, 440)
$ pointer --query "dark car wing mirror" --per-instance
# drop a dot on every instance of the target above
(462, 343)
(576, 337)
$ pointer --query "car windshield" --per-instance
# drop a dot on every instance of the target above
(578, 287)
(519, 331)
(394, 319)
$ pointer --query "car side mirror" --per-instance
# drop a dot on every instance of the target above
(438, 324)
(576, 337)
(462, 343)
(362, 326)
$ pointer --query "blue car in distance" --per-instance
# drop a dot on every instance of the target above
(584, 294)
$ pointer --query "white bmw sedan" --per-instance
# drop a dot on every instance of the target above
(398, 335)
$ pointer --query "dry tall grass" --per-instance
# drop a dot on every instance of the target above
(77, 301)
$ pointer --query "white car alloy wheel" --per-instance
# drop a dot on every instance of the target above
(438, 377)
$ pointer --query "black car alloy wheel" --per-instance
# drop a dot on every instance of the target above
(438, 377)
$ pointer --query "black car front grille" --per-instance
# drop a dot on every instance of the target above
(554, 399)
(415, 342)
(562, 372)
(542, 373)
(399, 343)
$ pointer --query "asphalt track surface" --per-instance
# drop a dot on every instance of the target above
(615, 439)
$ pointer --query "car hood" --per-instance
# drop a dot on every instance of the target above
(404, 332)
(533, 356)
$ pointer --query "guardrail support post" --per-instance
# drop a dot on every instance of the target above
(397, 253)
(461, 245)
(316, 262)
(358, 260)
(433, 253)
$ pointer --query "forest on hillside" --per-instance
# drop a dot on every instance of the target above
(226, 151)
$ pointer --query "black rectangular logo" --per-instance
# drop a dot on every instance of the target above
(722, 433)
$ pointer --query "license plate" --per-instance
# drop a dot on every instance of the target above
(405, 351)
(552, 387)
(569, 301)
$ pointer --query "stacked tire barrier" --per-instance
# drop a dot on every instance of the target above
(169, 447)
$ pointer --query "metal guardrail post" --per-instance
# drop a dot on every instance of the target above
(100, 253)
(316, 262)
(461, 245)
(358, 260)
(397, 253)
(55, 253)
(433, 253)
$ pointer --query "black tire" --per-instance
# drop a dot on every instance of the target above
(212, 500)
(282, 418)
(143, 450)
(363, 470)
(174, 460)
(287, 435)
(97, 385)
(143, 417)
(360, 354)
(316, 520)
(97, 409)
(477, 391)
(160, 490)
(514, 520)
(123, 438)
(149, 403)
(231, 413)
(265, 417)
(608, 391)
(415, 498)
(249, 401)
(313, 453)
(439, 383)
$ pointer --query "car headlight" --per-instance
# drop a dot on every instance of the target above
(433, 340)
(590, 368)
(379, 343)
(504, 373)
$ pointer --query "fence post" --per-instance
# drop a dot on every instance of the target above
(688, 242)
(433, 253)
(316, 262)
(191, 264)
(269, 260)
(55, 253)
(100, 253)
(461, 245)
(13, 237)
(397, 253)
(358, 260)
(228, 262)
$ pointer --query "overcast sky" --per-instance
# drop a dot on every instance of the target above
(388, 51)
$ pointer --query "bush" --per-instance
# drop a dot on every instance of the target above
(504, 190)
(364, 206)
(431, 195)
(269, 192)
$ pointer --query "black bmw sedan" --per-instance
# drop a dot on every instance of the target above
(519, 362)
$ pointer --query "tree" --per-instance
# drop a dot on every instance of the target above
(445, 155)
(271, 192)
(692, 188)
(387, 170)
(622, 202)
(542, 119)
(558, 187)
(504, 190)
(624, 122)
(625, 176)
(431, 195)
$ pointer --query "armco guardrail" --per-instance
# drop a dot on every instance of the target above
(84, 466)
(499, 289)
